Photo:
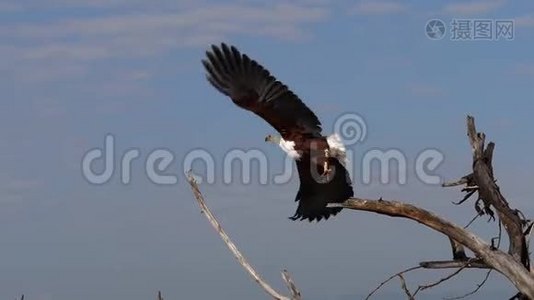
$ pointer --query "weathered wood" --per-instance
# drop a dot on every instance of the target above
(237, 254)
(490, 193)
(453, 264)
(500, 261)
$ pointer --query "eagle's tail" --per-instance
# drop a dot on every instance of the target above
(313, 196)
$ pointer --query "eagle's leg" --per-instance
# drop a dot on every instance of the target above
(326, 166)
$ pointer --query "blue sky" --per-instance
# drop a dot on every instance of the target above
(73, 71)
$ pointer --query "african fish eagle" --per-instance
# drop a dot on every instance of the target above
(319, 159)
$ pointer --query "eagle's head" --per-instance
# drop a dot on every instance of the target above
(275, 139)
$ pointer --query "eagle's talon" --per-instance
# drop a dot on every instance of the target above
(326, 169)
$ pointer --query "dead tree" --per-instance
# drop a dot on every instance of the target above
(513, 263)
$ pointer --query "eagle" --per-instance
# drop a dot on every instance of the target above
(320, 160)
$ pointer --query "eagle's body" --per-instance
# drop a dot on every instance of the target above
(333, 141)
(319, 159)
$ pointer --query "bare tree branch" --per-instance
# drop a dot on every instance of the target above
(237, 254)
(458, 251)
(516, 265)
(295, 293)
(472, 220)
(479, 286)
(390, 278)
(490, 193)
(494, 258)
(405, 288)
(461, 181)
(431, 285)
(449, 264)
(471, 263)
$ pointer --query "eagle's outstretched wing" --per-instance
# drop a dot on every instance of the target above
(253, 88)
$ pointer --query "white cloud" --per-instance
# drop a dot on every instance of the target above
(132, 34)
(378, 8)
(47, 107)
(23, 184)
(144, 34)
(473, 7)
(523, 69)
(39, 71)
(524, 21)
(14, 190)
(138, 75)
(100, 4)
(9, 7)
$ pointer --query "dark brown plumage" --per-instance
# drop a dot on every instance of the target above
(253, 88)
